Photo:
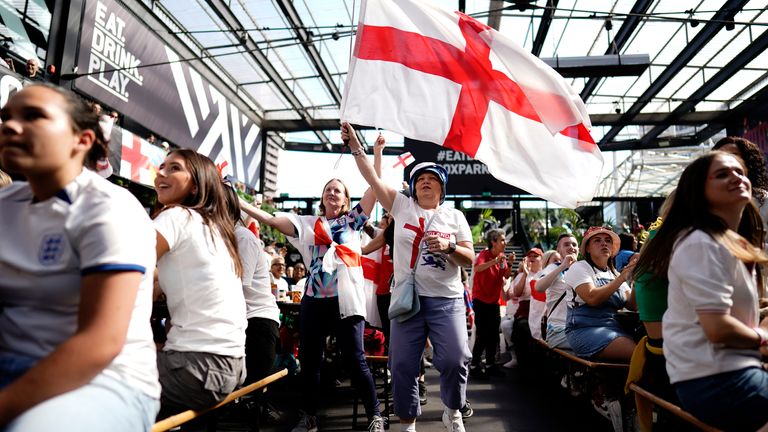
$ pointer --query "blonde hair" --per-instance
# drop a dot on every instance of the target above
(5, 179)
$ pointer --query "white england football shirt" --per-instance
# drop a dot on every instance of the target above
(45, 249)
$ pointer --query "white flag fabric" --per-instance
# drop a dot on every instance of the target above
(435, 75)
(403, 161)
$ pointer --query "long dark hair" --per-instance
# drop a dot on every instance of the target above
(754, 161)
(209, 200)
(689, 211)
(82, 118)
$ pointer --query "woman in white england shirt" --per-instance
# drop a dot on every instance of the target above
(76, 259)
(710, 246)
(447, 246)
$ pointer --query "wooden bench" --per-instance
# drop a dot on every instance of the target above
(588, 363)
(605, 378)
(185, 416)
(674, 409)
(371, 360)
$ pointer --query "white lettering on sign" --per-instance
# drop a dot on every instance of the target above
(111, 65)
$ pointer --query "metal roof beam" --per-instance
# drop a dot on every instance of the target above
(622, 37)
(494, 16)
(698, 42)
(544, 23)
(643, 119)
(222, 10)
(724, 74)
(294, 20)
(758, 100)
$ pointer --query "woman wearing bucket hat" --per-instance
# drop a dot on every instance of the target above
(436, 242)
(598, 291)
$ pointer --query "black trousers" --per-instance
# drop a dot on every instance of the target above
(487, 321)
(261, 338)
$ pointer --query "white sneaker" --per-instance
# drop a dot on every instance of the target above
(307, 423)
(512, 363)
(453, 424)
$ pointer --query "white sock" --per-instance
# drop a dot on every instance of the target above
(408, 427)
(452, 413)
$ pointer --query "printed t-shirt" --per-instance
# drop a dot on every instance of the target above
(436, 276)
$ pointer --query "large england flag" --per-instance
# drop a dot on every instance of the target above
(435, 75)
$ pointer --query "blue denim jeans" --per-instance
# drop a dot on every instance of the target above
(735, 400)
(104, 404)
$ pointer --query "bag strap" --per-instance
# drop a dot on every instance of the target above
(557, 303)
(426, 228)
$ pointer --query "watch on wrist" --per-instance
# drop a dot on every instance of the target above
(451, 248)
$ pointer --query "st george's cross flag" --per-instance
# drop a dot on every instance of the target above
(403, 160)
(435, 75)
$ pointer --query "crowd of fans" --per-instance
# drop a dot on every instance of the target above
(81, 263)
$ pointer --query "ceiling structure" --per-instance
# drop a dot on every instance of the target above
(708, 62)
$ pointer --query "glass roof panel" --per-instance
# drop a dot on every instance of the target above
(735, 84)
(267, 95)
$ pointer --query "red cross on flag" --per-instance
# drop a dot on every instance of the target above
(440, 76)
(403, 160)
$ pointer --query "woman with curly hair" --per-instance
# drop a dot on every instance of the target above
(754, 161)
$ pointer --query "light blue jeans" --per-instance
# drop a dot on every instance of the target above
(443, 320)
(104, 404)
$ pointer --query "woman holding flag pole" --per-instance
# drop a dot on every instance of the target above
(334, 298)
(432, 244)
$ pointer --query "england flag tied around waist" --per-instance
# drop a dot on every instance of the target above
(440, 76)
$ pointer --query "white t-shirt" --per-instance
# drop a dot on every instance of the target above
(526, 295)
(554, 292)
(205, 296)
(259, 301)
(436, 276)
(704, 276)
(582, 272)
(46, 247)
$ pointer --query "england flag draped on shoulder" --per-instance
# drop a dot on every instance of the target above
(440, 76)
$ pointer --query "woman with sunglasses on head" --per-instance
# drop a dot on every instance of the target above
(334, 297)
(76, 261)
(432, 243)
(710, 248)
(199, 271)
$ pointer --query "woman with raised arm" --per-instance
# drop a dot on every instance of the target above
(76, 261)
(334, 297)
(596, 293)
(710, 248)
(434, 241)
(199, 271)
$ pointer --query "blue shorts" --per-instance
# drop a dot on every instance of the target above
(735, 400)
